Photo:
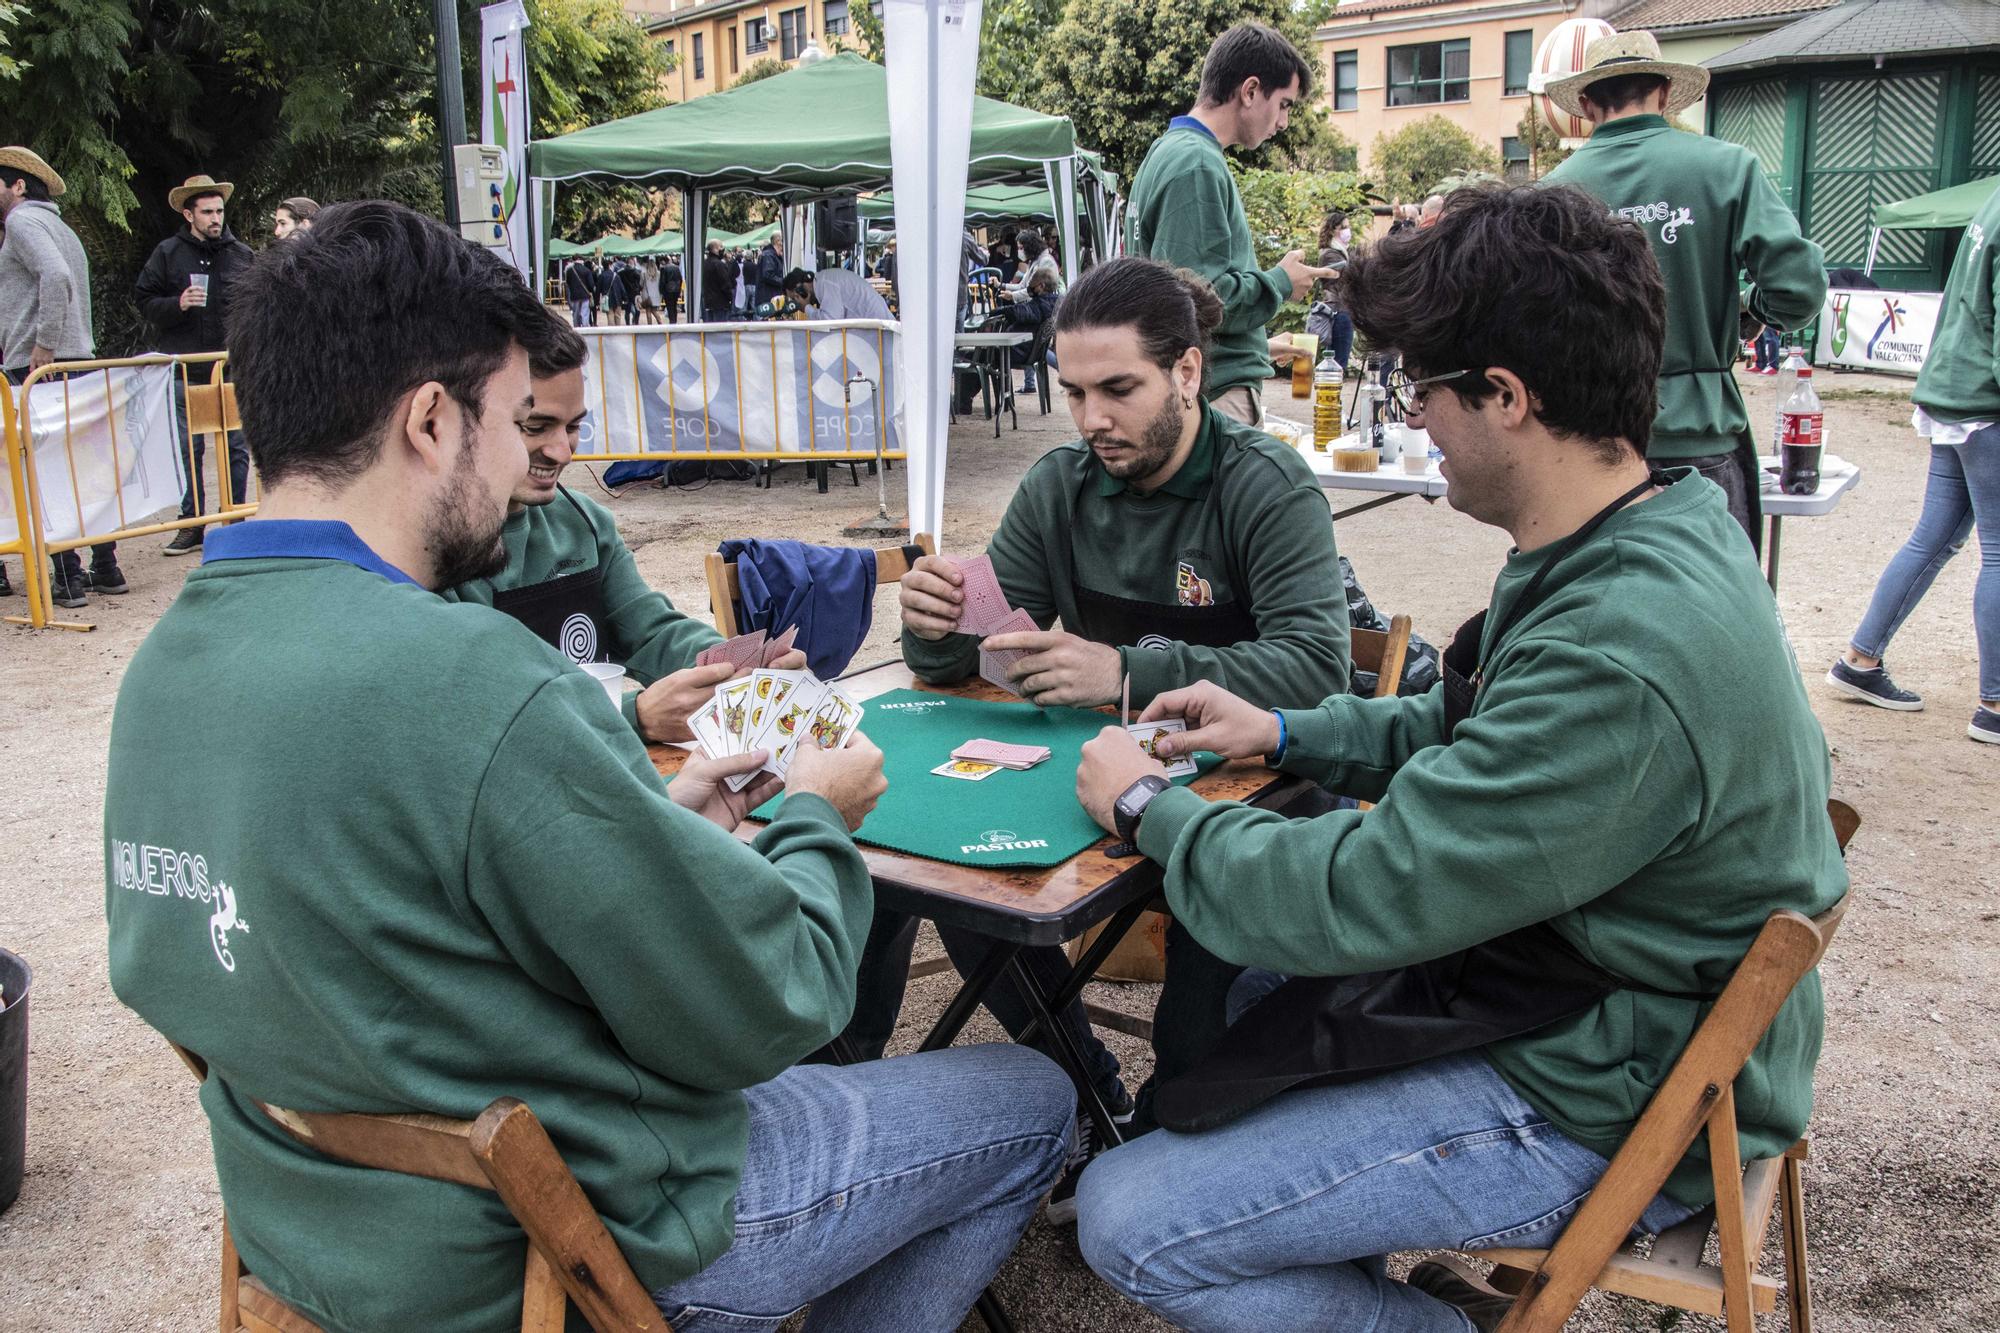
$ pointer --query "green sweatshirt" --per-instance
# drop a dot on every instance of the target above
(1641, 770)
(1960, 380)
(370, 852)
(1243, 517)
(1710, 214)
(644, 631)
(1185, 210)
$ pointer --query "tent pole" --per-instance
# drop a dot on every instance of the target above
(694, 242)
(1874, 239)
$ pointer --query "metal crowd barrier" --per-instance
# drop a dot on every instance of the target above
(211, 413)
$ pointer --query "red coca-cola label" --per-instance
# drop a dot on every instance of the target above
(1802, 428)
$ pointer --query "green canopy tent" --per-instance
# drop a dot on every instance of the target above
(632, 247)
(991, 203)
(1940, 209)
(819, 129)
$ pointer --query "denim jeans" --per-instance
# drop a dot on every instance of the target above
(1282, 1218)
(195, 499)
(886, 1194)
(1964, 490)
(1769, 355)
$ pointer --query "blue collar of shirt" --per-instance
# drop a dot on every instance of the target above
(296, 539)
(1190, 123)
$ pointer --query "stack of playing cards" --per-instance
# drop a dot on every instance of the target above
(986, 612)
(772, 710)
(754, 649)
(1148, 735)
(1002, 754)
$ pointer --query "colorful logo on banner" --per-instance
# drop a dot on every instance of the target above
(776, 388)
(1892, 310)
(1840, 305)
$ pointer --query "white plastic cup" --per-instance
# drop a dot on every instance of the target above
(199, 281)
(611, 676)
(1416, 458)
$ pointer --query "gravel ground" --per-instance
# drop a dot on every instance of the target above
(118, 1224)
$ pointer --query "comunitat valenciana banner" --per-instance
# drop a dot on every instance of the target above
(1876, 330)
(781, 387)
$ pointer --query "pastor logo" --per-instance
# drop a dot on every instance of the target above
(1001, 840)
(997, 835)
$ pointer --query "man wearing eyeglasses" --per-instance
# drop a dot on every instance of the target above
(1575, 841)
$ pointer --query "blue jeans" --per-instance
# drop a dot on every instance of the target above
(1768, 353)
(1964, 490)
(195, 498)
(884, 1194)
(1282, 1219)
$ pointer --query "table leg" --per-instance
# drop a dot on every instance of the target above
(1771, 541)
(955, 1015)
(1089, 961)
(1068, 1056)
(1376, 503)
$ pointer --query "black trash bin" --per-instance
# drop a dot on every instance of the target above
(15, 979)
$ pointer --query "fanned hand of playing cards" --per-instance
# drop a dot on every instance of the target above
(755, 649)
(994, 662)
(773, 710)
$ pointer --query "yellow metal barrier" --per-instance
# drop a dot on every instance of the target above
(210, 412)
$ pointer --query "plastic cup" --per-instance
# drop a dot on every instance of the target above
(199, 281)
(1416, 456)
(610, 675)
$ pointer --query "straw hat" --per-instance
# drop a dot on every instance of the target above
(26, 160)
(177, 198)
(1625, 53)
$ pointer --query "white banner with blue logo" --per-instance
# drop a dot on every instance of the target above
(1877, 330)
(780, 387)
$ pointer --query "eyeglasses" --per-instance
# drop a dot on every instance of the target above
(1410, 395)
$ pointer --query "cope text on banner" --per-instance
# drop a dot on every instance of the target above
(779, 387)
(103, 443)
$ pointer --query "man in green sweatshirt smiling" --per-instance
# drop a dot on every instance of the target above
(571, 579)
(1186, 211)
(418, 863)
(1578, 804)
(1709, 214)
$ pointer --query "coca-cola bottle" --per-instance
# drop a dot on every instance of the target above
(1801, 431)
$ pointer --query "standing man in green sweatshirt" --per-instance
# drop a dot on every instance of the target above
(1710, 216)
(1577, 805)
(1186, 211)
(418, 863)
(571, 579)
(1173, 545)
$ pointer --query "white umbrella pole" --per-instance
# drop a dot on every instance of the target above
(1874, 240)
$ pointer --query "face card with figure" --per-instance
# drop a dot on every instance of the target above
(1149, 733)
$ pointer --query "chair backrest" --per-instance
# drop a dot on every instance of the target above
(724, 587)
(1698, 1094)
(211, 407)
(505, 1150)
(1382, 652)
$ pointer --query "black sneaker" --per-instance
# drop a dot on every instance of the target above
(1451, 1280)
(1985, 726)
(185, 542)
(1062, 1200)
(6, 588)
(1872, 686)
(66, 586)
(106, 577)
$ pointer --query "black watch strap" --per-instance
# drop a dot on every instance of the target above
(1132, 804)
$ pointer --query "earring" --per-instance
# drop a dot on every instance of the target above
(1187, 402)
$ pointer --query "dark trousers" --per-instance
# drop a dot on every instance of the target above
(195, 499)
(1727, 471)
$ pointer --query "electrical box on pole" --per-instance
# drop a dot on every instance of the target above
(480, 170)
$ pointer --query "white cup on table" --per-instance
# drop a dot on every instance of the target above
(610, 675)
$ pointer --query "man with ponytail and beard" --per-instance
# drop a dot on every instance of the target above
(1169, 545)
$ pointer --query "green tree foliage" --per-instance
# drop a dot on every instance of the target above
(1013, 42)
(1285, 210)
(761, 68)
(280, 97)
(9, 67)
(1408, 164)
(1545, 150)
(866, 30)
(1121, 69)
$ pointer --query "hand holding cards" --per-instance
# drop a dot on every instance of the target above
(1147, 733)
(773, 710)
(994, 663)
(754, 649)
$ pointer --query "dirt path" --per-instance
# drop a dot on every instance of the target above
(118, 1224)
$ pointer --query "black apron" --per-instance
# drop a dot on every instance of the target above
(1313, 1031)
(565, 612)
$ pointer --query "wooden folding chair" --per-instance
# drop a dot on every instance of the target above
(211, 411)
(891, 563)
(1382, 653)
(571, 1257)
(1698, 1094)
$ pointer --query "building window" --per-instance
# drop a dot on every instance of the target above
(1520, 59)
(697, 56)
(1514, 164)
(836, 17)
(791, 33)
(670, 46)
(733, 59)
(1346, 80)
(1433, 72)
(756, 36)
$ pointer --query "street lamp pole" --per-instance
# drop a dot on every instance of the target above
(451, 100)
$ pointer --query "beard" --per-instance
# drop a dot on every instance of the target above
(462, 532)
(1155, 445)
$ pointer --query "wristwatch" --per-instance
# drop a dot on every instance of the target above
(1133, 804)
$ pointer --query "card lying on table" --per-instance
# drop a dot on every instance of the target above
(971, 770)
(1148, 735)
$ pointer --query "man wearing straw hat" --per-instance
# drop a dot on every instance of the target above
(45, 317)
(1709, 213)
(184, 293)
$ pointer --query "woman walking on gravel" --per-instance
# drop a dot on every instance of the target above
(1958, 411)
